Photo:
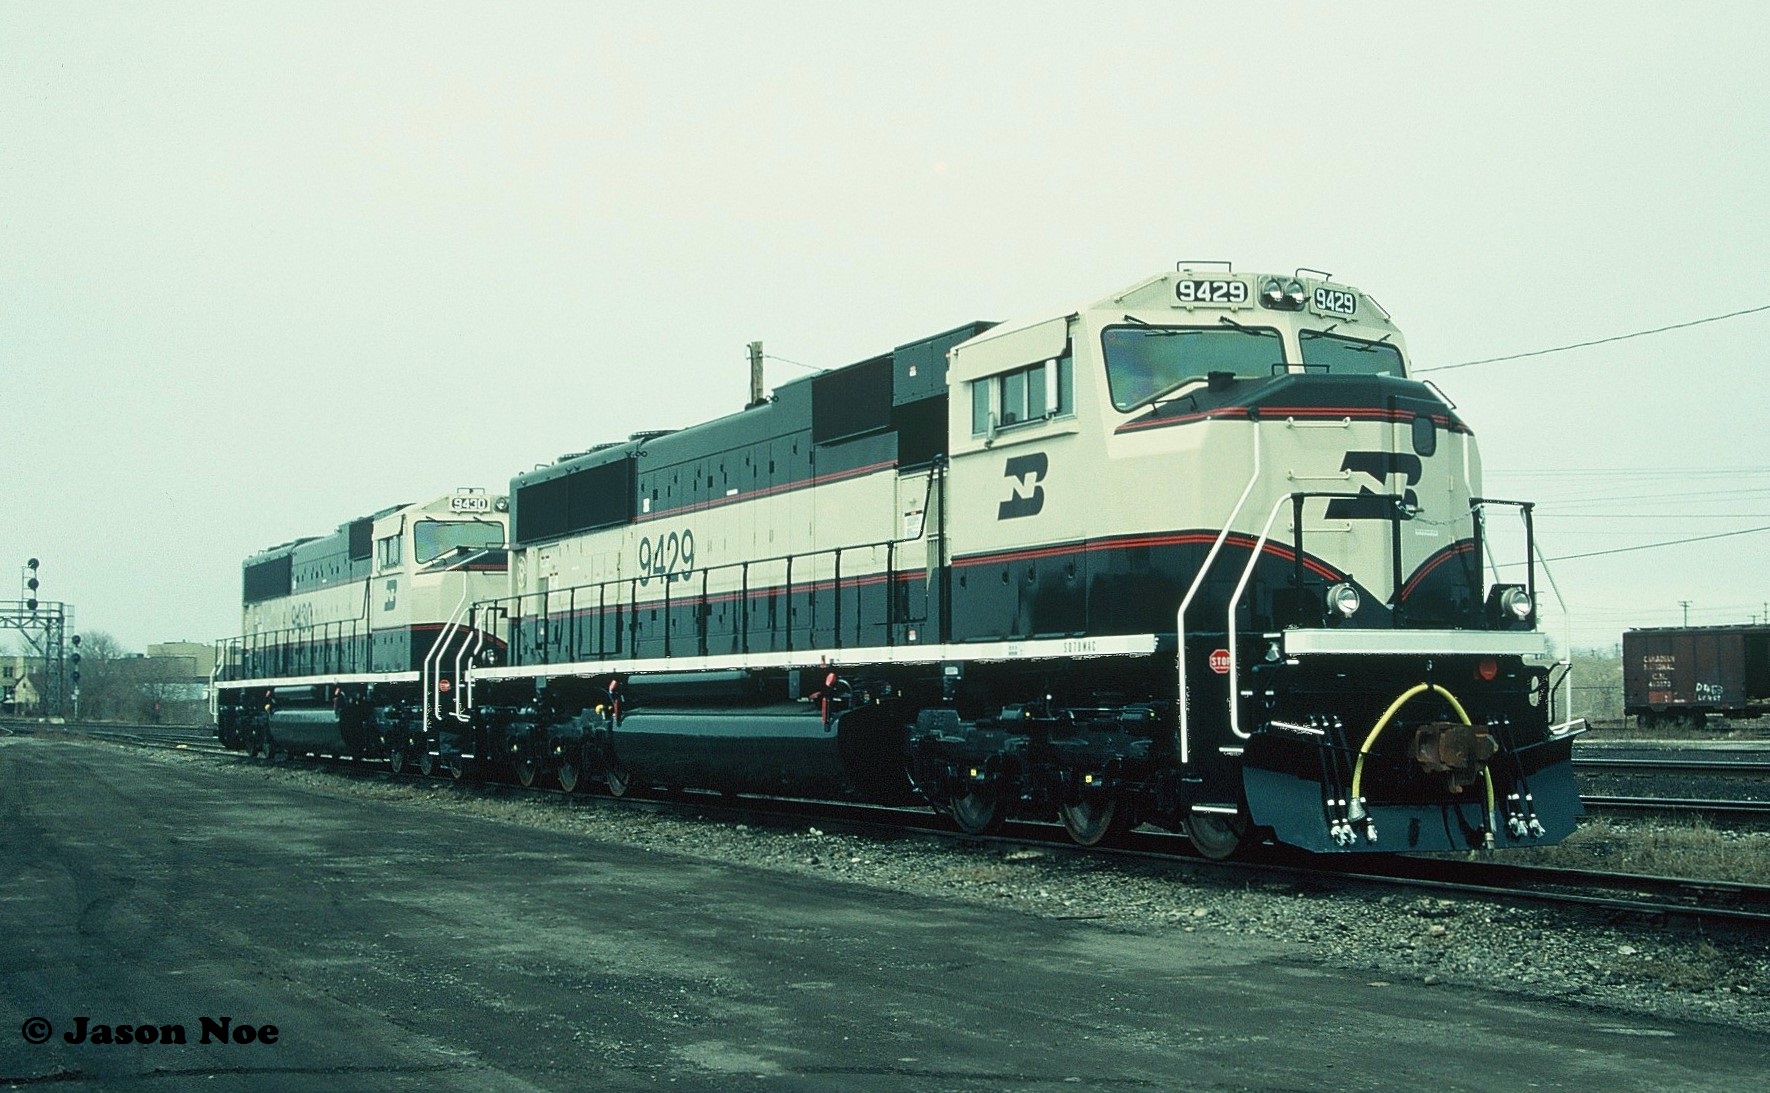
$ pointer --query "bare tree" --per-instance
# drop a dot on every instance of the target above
(107, 690)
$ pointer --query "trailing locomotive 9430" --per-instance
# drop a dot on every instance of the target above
(1198, 554)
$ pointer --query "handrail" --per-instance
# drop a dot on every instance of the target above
(1296, 500)
(468, 650)
(1198, 581)
(426, 681)
(742, 570)
(1241, 585)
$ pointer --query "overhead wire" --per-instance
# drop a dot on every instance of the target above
(1667, 543)
(1596, 341)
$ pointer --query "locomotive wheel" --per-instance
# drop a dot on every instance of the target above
(527, 768)
(568, 775)
(457, 767)
(396, 755)
(617, 781)
(978, 813)
(1088, 822)
(1216, 836)
(426, 763)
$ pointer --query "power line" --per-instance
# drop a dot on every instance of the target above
(1596, 341)
(784, 360)
(1667, 543)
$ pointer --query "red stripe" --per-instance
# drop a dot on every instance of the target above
(769, 491)
(1357, 413)
(1432, 563)
(1164, 539)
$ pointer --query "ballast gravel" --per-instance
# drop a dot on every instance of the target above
(1579, 957)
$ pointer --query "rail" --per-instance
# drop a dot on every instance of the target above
(1296, 501)
(760, 599)
(1198, 581)
(323, 649)
(430, 675)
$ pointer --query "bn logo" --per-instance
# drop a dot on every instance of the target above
(1370, 505)
(1027, 496)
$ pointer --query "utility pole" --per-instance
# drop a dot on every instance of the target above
(1686, 606)
(755, 375)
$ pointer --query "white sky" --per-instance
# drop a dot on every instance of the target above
(264, 268)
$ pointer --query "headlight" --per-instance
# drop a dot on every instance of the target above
(1343, 598)
(1282, 295)
(1510, 607)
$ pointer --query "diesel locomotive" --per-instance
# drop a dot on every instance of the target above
(1198, 554)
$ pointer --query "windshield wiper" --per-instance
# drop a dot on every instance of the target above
(1244, 329)
(1370, 347)
(1149, 331)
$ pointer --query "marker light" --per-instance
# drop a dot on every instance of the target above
(1343, 598)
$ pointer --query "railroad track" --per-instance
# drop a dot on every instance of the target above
(1674, 766)
(1626, 894)
(183, 737)
(1648, 898)
(1736, 811)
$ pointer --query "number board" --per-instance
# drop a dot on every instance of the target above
(1216, 290)
(470, 503)
(1335, 301)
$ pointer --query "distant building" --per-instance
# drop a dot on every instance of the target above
(18, 695)
(200, 656)
(174, 680)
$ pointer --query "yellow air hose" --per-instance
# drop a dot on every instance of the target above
(1383, 723)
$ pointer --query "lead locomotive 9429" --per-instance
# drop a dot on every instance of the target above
(1198, 554)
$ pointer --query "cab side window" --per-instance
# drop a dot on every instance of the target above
(1023, 395)
(387, 552)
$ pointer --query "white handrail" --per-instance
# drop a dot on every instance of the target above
(428, 676)
(1186, 601)
(1566, 629)
(1241, 586)
(463, 680)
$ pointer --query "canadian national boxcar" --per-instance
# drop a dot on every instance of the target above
(1687, 674)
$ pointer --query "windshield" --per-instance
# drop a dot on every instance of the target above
(1349, 356)
(434, 538)
(1146, 362)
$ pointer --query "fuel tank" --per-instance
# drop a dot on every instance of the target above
(784, 749)
(314, 719)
